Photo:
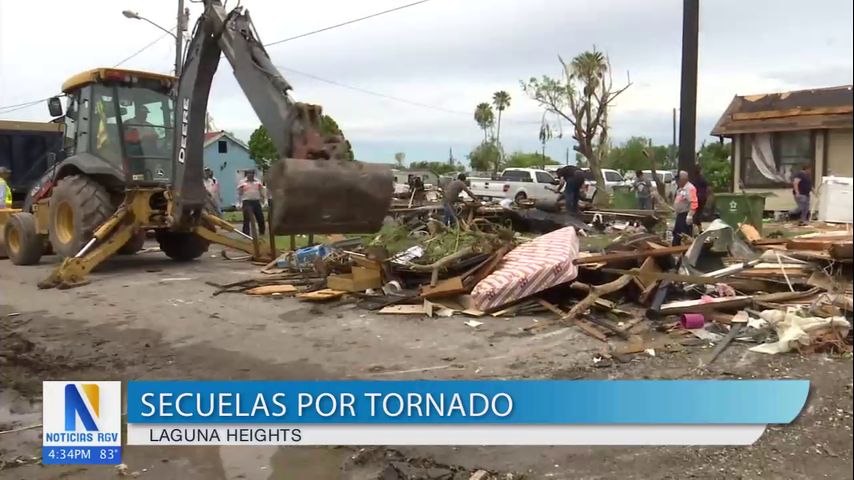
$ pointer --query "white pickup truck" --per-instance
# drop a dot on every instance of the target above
(516, 184)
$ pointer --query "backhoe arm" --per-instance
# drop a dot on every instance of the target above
(330, 196)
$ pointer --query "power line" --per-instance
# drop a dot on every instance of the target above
(392, 97)
(146, 47)
(348, 22)
(21, 106)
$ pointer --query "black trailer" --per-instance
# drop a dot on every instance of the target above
(25, 149)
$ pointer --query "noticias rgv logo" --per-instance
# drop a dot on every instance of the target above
(76, 407)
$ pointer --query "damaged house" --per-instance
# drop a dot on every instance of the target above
(774, 134)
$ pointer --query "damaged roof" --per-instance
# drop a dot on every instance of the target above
(817, 108)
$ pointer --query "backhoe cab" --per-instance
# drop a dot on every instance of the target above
(134, 161)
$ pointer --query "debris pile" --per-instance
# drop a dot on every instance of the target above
(724, 285)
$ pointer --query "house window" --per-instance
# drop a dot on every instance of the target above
(223, 146)
(770, 159)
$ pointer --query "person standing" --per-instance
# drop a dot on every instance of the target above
(212, 186)
(5, 189)
(451, 195)
(569, 180)
(643, 190)
(802, 189)
(685, 205)
(703, 194)
(251, 193)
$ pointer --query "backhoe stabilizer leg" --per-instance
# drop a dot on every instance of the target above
(72, 272)
(243, 244)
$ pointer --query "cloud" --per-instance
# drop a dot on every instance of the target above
(819, 76)
(443, 57)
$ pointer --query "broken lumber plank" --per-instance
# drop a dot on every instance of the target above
(551, 307)
(675, 277)
(590, 330)
(323, 295)
(448, 286)
(608, 325)
(721, 346)
(403, 310)
(271, 289)
(595, 292)
(612, 257)
(751, 234)
(693, 306)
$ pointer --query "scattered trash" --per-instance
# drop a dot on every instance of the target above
(473, 323)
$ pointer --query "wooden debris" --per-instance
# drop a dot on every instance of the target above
(323, 295)
(595, 292)
(724, 343)
(271, 289)
(591, 330)
(616, 256)
(403, 310)
(750, 233)
(359, 280)
(448, 286)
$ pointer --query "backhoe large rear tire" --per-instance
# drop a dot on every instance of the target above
(78, 205)
(180, 246)
(23, 244)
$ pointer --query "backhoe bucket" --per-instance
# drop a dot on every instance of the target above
(328, 196)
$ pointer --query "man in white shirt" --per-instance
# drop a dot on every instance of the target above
(251, 193)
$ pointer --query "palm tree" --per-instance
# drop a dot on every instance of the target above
(589, 67)
(501, 100)
(485, 118)
(399, 157)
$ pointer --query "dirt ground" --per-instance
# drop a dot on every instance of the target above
(144, 317)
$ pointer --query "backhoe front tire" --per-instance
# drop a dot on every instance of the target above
(180, 246)
(78, 205)
(23, 244)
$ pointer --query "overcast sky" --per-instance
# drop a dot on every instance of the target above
(450, 55)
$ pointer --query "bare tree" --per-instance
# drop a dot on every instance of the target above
(399, 158)
(581, 97)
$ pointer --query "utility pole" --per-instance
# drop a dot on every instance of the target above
(183, 18)
(688, 92)
(673, 151)
(566, 162)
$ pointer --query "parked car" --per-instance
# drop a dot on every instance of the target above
(613, 179)
(668, 177)
(516, 184)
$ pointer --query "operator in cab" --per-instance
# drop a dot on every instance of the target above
(140, 123)
(451, 195)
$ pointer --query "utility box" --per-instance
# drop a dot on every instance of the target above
(735, 208)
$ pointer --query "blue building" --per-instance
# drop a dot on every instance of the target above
(229, 159)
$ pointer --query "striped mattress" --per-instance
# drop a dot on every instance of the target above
(529, 268)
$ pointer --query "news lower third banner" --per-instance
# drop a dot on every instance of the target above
(425, 412)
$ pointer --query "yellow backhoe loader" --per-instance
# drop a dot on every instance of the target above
(134, 146)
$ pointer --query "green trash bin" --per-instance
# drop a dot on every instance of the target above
(735, 208)
(624, 198)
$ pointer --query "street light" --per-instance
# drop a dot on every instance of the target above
(183, 16)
